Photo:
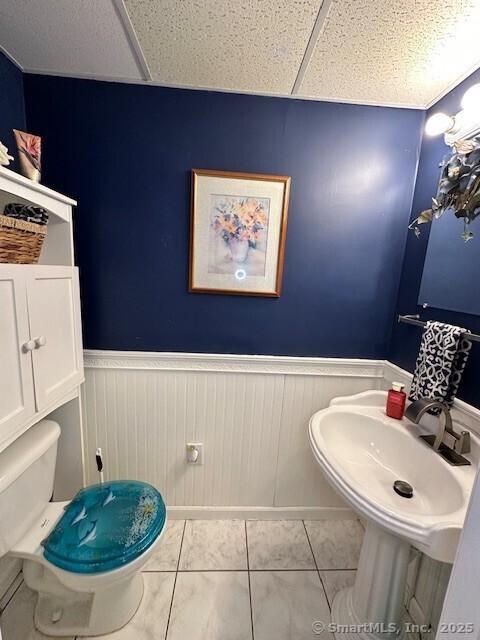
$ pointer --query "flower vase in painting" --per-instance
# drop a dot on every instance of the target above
(29, 148)
(238, 236)
(239, 249)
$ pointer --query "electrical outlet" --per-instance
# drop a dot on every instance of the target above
(191, 447)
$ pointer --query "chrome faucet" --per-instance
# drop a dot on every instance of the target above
(447, 443)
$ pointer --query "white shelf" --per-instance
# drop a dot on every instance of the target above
(36, 187)
(58, 246)
(32, 192)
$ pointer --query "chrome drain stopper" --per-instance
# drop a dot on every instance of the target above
(403, 488)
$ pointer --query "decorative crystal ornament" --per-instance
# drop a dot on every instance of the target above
(466, 235)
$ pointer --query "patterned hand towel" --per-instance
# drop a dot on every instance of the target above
(440, 363)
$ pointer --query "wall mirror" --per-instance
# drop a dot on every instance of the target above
(451, 272)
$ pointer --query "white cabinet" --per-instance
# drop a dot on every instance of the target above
(17, 400)
(41, 362)
(40, 341)
(54, 313)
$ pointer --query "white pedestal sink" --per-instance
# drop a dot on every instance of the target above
(373, 607)
(362, 453)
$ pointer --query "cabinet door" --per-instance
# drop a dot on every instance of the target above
(16, 379)
(55, 326)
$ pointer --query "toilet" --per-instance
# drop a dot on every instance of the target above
(84, 557)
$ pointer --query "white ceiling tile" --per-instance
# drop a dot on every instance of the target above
(71, 37)
(240, 45)
(400, 52)
(396, 52)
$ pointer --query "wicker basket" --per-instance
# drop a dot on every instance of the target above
(20, 241)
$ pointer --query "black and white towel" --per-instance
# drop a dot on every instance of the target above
(27, 212)
(440, 363)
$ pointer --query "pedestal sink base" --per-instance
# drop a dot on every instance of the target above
(343, 616)
(373, 608)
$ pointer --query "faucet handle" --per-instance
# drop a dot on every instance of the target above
(462, 445)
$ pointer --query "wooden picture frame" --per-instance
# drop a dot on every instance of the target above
(238, 226)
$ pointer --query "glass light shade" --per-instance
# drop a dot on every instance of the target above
(438, 123)
(471, 98)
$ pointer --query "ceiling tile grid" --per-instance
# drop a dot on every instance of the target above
(242, 45)
(386, 52)
(401, 52)
(69, 37)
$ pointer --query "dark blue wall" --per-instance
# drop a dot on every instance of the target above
(12, 111)
(126, 153)
(406, 339)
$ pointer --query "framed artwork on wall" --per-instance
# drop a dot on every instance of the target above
(237, 232)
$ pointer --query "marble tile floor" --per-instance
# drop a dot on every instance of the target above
(230, 580)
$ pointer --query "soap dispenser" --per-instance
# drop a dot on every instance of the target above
(396, 401)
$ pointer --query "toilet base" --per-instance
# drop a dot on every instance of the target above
(63, 612)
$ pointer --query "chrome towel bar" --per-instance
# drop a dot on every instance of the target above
(415, 319)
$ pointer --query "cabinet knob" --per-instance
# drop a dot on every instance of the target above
(29, 346)
(39, 342)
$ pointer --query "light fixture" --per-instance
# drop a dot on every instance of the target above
(439, 123)
(471, 98)
(463, 124)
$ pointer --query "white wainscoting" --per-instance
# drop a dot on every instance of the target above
(250, 412)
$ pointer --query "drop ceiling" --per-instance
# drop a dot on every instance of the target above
(404, 53)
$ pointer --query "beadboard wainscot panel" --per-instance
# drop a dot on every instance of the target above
(250, 412)
(299, 479)
(143, 420)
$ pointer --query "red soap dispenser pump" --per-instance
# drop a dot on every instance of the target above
(396, 401)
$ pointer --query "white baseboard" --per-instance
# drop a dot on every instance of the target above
(260, 513)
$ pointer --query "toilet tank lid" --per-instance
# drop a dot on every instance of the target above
(26, 450)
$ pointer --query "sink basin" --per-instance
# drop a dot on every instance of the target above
(373, 454)
(362, 452)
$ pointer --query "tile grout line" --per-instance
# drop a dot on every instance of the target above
(310, 545)
(316, 565)
(238, 570)
(175, 580)
(14, 593)
(181, 545)
(249, 583)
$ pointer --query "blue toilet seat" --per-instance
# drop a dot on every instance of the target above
(106, 526)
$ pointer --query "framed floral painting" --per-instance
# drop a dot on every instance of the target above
(237, 232)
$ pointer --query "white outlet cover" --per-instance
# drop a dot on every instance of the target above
(199, 447)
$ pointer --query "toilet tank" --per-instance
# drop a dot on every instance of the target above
(27, 470)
